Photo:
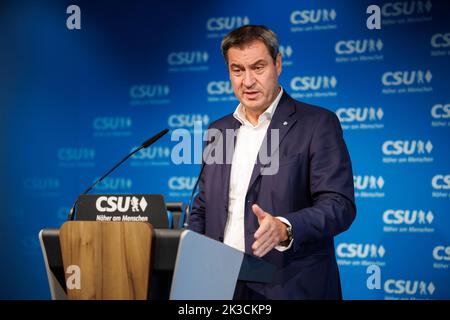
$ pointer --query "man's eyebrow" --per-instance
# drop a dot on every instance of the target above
(260, 61)
(236, 65)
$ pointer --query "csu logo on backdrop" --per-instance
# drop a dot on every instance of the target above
(441, 257)
(441, 253)
(314, 86)
(151, 153)
(312, 83)
(112, 123)
(74, 156)
(440, 43)
(181, 183)
(115, 184)
(407, 81)
(226, 23)
(406, 78)
(407, 151)
(409, 287)
(220, 91)
(360, 118)
(408, 221)
(312, 16)
(187, 120)
(121, 204)
(358, 50)
(368, 182)
(441, 182)
(361, 46)
(181, 186)
(186, 61)
(440, 114)
(187, 58)
(287, 53)
(368, 186)
(112, 126)
(149, 94)
(406, 8)
(440, 40)
(41, 184)
(407, 217)
(441, 111)
(149, 91)
(313, 20)
(219, 88)
(406, 147)
(346, 115)
(360, 250)
(151, 156)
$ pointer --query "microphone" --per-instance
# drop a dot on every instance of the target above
(144, 145)
(187, 212)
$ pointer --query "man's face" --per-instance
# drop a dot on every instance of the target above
(253, 75)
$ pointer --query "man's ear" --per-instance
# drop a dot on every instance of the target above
(278, 63)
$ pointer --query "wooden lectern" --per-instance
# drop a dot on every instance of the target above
(132, 260)
(113, 259)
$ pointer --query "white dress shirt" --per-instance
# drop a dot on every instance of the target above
(248, 142)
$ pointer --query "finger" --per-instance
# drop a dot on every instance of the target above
(260, 214)
(269, 238)
(265, 247)
(264, 237)
(263, 228)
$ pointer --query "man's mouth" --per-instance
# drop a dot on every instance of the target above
(251, 94)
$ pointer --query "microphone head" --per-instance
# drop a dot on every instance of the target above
(153, 139)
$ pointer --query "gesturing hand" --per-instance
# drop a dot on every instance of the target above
(270, 233)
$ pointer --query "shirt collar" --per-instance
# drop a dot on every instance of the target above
(239, 113)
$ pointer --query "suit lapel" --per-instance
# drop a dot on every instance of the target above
(282, 122)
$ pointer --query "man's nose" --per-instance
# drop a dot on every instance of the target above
(249, 79)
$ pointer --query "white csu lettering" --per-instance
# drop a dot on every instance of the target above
(121, 204)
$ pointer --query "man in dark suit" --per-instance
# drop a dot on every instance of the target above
(290, 214)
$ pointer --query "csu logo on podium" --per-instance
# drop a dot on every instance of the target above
(121, 204)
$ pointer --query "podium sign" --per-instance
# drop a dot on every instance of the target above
(123, 207)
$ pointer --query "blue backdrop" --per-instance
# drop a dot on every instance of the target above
(73, 102)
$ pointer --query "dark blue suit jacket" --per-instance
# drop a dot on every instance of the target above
(313, 189)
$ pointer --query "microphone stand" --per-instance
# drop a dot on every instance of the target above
(146, 144)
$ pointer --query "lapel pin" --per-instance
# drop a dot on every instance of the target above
(285, 123)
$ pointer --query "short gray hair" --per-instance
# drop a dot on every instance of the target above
(247, 34)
